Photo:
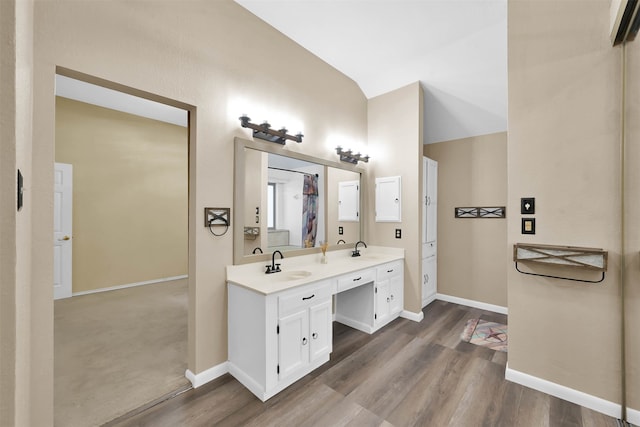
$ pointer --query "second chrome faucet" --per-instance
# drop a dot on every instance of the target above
(356, 252)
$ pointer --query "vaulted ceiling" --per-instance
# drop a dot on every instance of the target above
(457, 49)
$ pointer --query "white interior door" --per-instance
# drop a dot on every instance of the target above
(62, 223)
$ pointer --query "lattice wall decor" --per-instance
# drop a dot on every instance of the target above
(571, 256)
(481, 212)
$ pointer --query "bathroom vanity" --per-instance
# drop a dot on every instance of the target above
(280, 325)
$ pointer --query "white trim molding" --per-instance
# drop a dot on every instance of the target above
(416, 317)
(130, 285)
(574, 396)
(471, 303)
(210, 374)
(633, 416)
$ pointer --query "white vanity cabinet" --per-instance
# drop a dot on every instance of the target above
(276, 339)
(304, 329)
(389, 291)
(280, 325)
(369, 299)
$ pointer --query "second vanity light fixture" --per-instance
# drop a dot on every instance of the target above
(265, 132)
(350, 157)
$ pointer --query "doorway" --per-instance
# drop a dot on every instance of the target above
(120, 341)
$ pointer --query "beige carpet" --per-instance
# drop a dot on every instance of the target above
(118, 350)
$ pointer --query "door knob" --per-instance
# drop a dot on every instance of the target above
(65, 238)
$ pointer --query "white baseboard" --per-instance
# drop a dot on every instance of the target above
(574, 396)
(471, 303)
(210, 374)
(416, 317)
(428, 300)
(633, 416)
(130, 285)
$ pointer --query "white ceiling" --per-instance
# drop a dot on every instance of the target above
(457, 49)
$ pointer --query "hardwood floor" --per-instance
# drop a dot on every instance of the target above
(407, 374)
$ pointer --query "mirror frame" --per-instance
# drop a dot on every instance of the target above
(240, 144)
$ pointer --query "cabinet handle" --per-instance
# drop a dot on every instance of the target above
(306, 298)
(390, 271)
(314, 336)
(356, 279)
(426, 278)
(304, 341)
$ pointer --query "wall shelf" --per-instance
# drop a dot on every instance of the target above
(592, 259)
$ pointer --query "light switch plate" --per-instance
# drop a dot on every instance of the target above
(528, 205)
(528, 226)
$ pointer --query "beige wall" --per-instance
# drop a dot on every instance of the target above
(632, 231)
(564, 115)
(214, 58)
(129, 195)
(395, 146)
(25, 350)
(471, 252)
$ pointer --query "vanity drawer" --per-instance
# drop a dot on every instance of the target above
(296, 299)
(352, 280)
(390, 269)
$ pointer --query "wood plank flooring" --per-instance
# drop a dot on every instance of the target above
(407, 374)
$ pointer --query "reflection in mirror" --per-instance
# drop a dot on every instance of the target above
(284, 197)
(291, 201)
(295, 204)
(343, 199)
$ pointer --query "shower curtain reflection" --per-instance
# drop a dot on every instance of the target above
(309, 210)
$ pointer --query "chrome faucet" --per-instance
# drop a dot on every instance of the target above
(340, 241)
(274, 268)
(356, 252)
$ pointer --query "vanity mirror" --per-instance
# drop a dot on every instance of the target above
(289, 201)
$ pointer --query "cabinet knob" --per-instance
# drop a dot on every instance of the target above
(304, 341)
(391, 297)
(388, 299)
(314, 336)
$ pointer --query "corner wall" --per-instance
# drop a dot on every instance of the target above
(564, 150)
(395, 147)
(632, 232)
(471, 252)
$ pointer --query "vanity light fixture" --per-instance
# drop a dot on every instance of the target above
(265, 132)
(348, 156)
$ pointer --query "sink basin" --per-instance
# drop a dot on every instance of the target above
(293, 275)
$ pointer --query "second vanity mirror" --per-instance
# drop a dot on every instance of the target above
(292, 202)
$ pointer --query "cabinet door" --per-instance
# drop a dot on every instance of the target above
(349, 201)
(431, 201)
(382, 301)
(320, 330)
(293, 342)
(429, 278)
(388, 199)
(425, 191)
(396, 292)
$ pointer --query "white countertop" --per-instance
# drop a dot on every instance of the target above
(300, 270)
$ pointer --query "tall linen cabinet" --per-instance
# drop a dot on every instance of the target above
(429, 230)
